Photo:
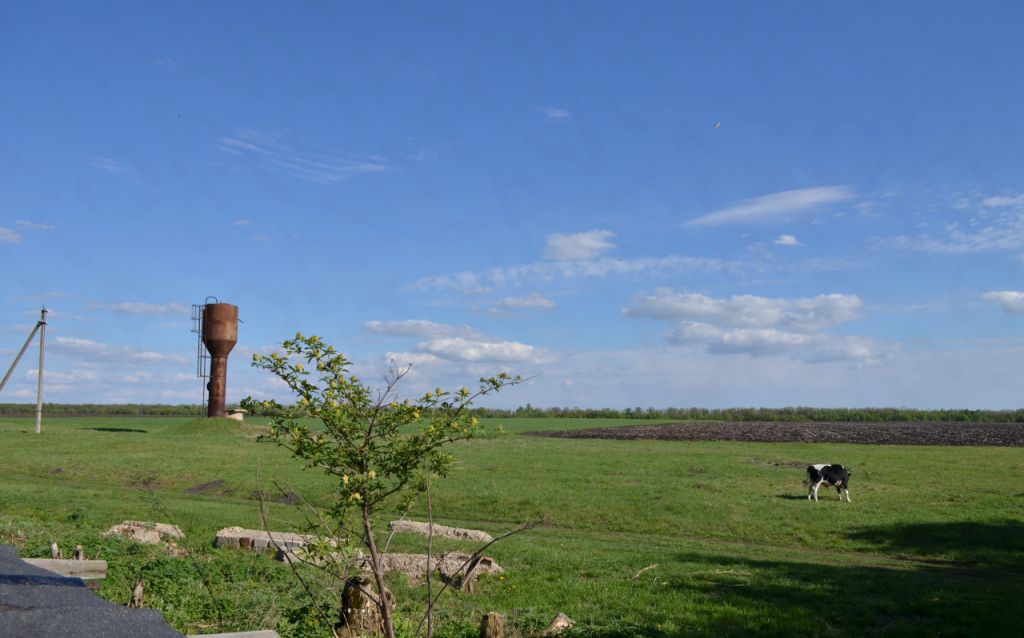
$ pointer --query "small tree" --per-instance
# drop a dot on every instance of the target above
(374, 445)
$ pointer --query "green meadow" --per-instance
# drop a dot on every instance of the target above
(639, 538)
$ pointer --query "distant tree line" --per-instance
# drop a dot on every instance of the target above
(705, 414)
(764, 414)
(101, 409)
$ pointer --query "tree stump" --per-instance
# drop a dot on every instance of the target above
(360, 614)
(492, 625)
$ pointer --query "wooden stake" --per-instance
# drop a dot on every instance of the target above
(55, 551)
(79, 552)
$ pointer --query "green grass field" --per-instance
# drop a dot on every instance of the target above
(640, 538)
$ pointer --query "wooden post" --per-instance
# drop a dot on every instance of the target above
(84, 569)
(492, 625)
(79, 552)
(39, 387)
(55, 552)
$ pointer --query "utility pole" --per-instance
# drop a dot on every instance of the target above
(40, 327)
(39, 387)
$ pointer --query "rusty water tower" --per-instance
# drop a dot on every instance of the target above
(217, 325)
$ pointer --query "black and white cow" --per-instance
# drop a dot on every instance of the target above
(830, 476)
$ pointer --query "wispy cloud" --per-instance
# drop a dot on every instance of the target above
(1012, 301)
(787, 240)
(240, 222)
(776, 207)
(484, 281)
(108, 164)
(90, 350)
(760, 342)
(45, 296)
(982, 234)
(1003, 201)
(578, 246)
(556, 114)
(269, 152)
(140, 308)
(8, 236)
(420, 328)
(806, 314)
(30, 225)
(533, 301)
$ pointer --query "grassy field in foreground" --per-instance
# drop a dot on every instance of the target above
(640, 538)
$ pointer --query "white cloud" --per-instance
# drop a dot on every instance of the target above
(443, 342)
(761, 342)
(760, 326)
(556, 114)
(270, 153)
(578, 246)
(460, 349)
(787, 240)
(1011, 300)
(776, 207)
(240, 222)
(420, 328)
(139, 308)
(8, 236)
(1002, 202)
(532, 301)
(25, 224)
(749, 311)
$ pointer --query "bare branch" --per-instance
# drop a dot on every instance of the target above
(476, 556)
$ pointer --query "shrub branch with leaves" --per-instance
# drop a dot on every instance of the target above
(375, 445)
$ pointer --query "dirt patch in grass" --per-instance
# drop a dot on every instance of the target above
(205, 488)
(918, 433)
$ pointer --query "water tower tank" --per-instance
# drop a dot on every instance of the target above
(220, 333)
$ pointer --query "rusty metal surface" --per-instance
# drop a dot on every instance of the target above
(220, 333)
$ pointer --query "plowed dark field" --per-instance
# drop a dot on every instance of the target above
(923, 433)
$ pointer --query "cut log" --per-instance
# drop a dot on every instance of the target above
(492, 625)
(442, 531)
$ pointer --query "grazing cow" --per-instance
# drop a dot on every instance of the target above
(830, 476)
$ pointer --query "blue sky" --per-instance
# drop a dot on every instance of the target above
(710, 204)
